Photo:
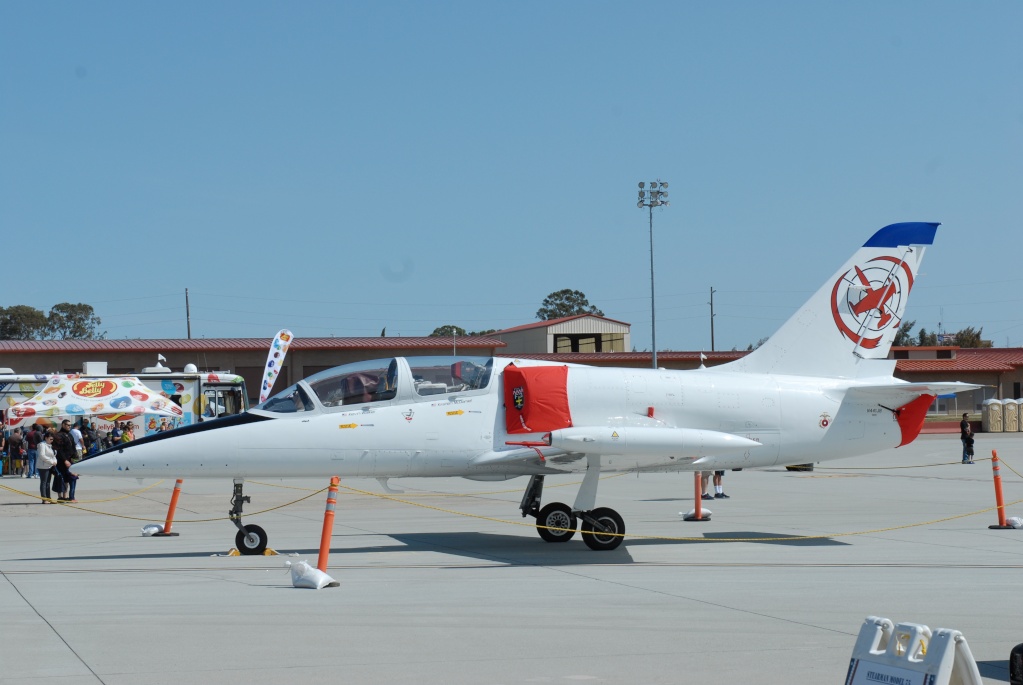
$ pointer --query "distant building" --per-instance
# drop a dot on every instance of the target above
(579, 333)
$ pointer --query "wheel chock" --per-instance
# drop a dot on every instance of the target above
(233, 552)
(269, 552)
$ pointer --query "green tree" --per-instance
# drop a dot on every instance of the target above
(970, 337)
(22, 322)
(904, 338)
(447, 331)
(925, 339)
(68, 321)
(753, 346)
(565, 303)
(481, 333)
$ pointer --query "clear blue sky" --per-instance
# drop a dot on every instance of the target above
(337, 168)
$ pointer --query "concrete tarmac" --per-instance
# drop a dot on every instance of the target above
(428, 595)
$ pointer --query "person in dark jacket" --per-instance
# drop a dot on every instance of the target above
(64, 446)
(966, 435)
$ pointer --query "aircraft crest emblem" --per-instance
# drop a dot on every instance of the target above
(519, 397)
(867, 301)
(825, 420)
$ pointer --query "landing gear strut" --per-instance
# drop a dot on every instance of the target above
(250, 539)
(602, 528)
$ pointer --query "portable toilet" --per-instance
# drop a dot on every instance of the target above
(1019, 412)
(991, 415)
(1010, 412)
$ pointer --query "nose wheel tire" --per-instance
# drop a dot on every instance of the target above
(599, 540)
(556, 515)
(251, 540)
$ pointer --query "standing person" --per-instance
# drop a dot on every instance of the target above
(76, 435)
(88, 438)
(719, 489)
(97, 444)
(115, 434)
(46, 460)
(3, 451)
(966, 436)
(16, 451)
(128, 434)
(32, 440)
(705, 485)
(64, 446)
(68, 478)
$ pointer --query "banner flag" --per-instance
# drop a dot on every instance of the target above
(274, 360)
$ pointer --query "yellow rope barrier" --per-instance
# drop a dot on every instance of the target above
(892, 468)
(534, 525)
(687, 539)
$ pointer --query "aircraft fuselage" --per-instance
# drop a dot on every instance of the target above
(448, 434)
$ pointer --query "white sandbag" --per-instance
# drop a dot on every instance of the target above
(152, 529)
(690, 515)
(1015, 521)
(304, 575)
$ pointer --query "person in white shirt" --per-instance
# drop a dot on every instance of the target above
(76, 435)
(46, 460)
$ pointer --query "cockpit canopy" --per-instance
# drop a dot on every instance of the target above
(380, 380)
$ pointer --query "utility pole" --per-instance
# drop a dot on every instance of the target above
(188, 315)
(711, 303)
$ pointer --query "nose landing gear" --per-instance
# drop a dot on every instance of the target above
(251, 539)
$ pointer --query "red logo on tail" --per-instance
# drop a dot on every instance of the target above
(867, 301)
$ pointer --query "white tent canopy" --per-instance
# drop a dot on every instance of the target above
(73, 397)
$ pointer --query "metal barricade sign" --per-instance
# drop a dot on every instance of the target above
(910, 654)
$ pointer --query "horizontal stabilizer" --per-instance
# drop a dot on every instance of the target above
(908, 401)
(895, 394)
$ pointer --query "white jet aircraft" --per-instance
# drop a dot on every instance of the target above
(821, 388)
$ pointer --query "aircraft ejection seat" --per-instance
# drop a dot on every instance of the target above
(355, 392)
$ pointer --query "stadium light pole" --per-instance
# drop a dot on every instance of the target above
(655, 196)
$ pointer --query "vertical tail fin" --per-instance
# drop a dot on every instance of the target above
(856, 313)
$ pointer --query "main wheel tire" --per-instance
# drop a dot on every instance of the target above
(556, 515)
(598, 540)
(251, 540)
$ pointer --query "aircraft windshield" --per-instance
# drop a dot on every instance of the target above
(442, 375)
(290, 400)
(370, 381)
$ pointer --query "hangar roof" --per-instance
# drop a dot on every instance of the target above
(966, 360)
(242, 344)
(549, 323)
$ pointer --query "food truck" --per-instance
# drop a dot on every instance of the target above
(201, 396)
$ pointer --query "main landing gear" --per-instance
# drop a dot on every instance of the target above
(250, 539)
(602, 528)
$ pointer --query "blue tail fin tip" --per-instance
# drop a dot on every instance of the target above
(908, 233)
